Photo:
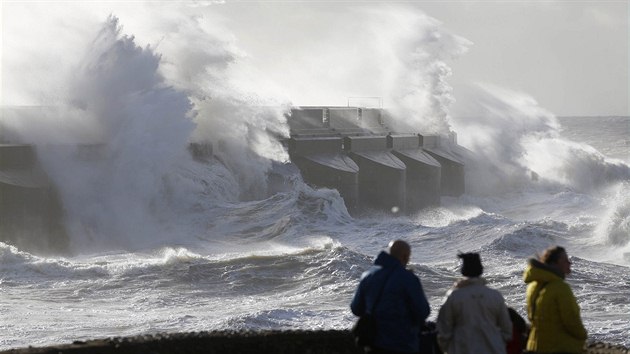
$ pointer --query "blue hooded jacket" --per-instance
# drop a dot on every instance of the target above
(402, 307)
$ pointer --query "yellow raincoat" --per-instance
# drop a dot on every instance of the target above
(556, 326)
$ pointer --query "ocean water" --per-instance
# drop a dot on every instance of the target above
(163, 243)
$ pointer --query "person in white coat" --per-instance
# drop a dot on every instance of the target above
(474, 318)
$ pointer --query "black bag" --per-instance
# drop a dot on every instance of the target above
(428, 339)
(364, 331)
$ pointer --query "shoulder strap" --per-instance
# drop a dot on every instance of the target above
(380, 292)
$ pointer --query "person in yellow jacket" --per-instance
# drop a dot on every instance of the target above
(556, 326)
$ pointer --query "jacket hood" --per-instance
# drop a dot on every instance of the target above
(538, 271)
(386, 260)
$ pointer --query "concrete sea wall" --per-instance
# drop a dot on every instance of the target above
(275, 342)
(353, 150)
(29, 205)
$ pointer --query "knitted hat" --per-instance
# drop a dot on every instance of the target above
(471, 265)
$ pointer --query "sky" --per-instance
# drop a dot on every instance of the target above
(569, 56)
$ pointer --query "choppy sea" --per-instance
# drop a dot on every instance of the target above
(293, 260)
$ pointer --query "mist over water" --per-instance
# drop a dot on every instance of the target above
(163, 242)
(518, 144)
(116, 196)
(416, 50)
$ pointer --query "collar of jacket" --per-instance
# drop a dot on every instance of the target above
(534, 263)
(386, 260)
(468, 281)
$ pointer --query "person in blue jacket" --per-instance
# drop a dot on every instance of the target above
(402, 306)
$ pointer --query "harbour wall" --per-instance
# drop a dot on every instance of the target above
(353, 150)
(29, 205)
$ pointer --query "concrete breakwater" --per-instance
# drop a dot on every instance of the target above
(277, 342)
(30, 210)
(354, 150)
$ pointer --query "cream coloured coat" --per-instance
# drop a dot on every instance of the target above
(474, 319)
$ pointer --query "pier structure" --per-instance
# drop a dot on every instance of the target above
(29, 205)
(353, 150)
(382, 175)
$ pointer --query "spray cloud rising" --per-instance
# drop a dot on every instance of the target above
(193, 84)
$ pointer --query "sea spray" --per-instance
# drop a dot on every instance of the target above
(114, 199)
(516, 145)
(415, 49)
(244, 127)
(499, 120)
(613, 229)
(128, 189)
(573, 164)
